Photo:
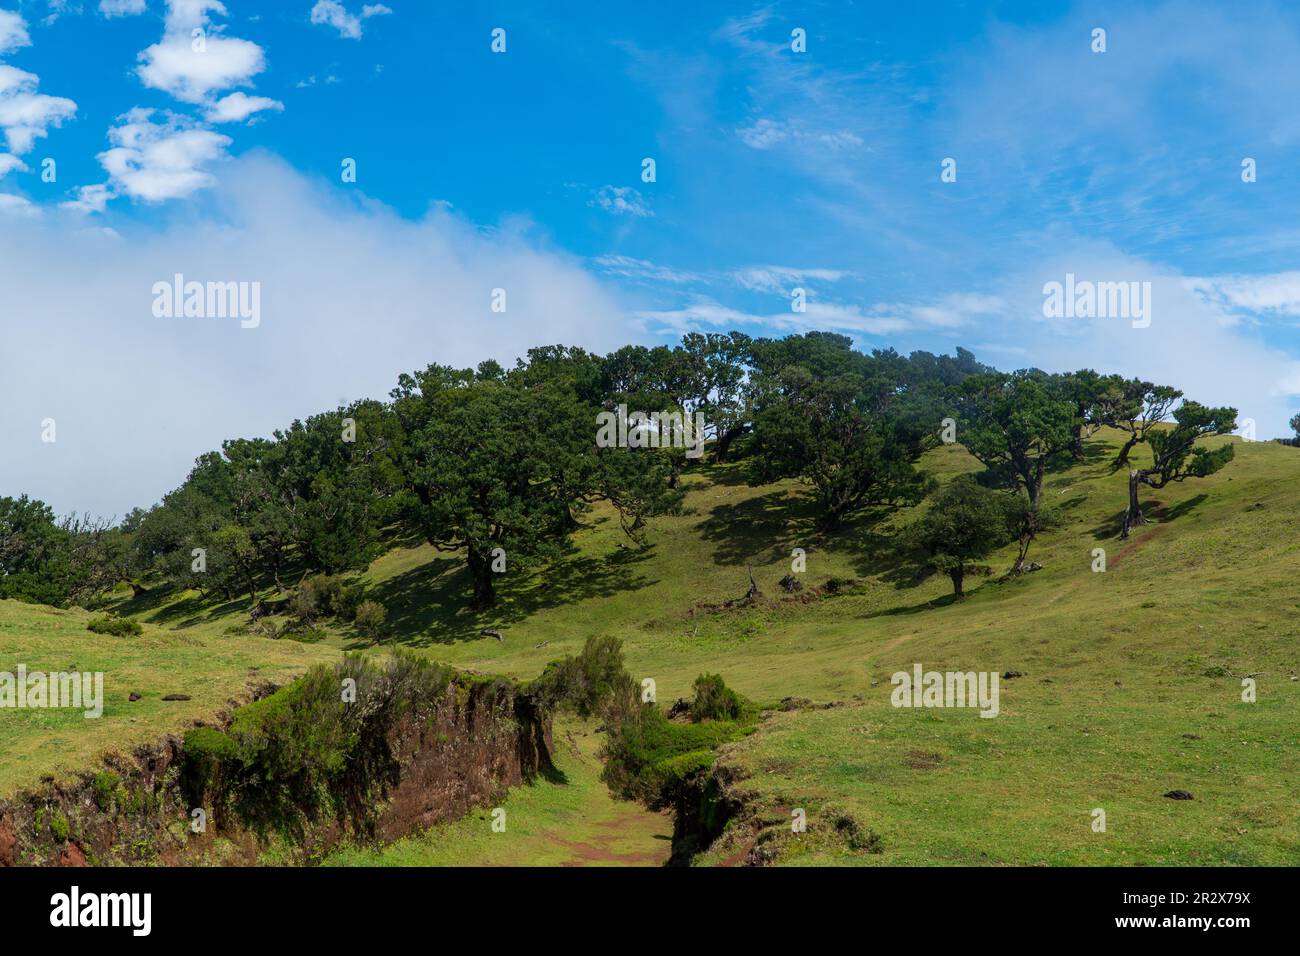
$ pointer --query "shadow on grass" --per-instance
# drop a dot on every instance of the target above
(1155, 511)
(430, 604)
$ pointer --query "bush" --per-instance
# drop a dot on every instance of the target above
(369, 618)
(714, 700)
(303, 752)
(325, 595)
(116, 626)
(593, 682)
(650, 758)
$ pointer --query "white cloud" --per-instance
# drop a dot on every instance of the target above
(239, 106)
(13, 32)
(121, 8)
(174, 66)
(192, 69)
(154, 161)
(8, 163)
(364, 296)
(620, 200)
(781, 278)
(90, 198)
(765, 134)
(1277, 293)
(25, 114)
(334, 14)
(641, 270)
(18, 206)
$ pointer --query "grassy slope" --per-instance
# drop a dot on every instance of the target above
(1115, 663)
(210, 667)
(1119, 666)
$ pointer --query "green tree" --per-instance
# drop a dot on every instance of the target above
(831, 417)
(1177, 457)
(1138, 408)
(965, 523)
(1015, 424)
(491, 466)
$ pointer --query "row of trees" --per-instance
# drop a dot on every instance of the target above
(500, 464)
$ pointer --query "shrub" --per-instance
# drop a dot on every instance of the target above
(205, 750)
(594, 681)
(650, 758)
(116, 626)
(302, 632)
(369, 618)
(325, 595)
(714, 700)
(302, 753)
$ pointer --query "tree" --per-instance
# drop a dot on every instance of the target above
(491, 467)
(844, 435)
(715, 374)
(1089, 392)
(1138, 407)
(1176, 457)
(1015, 424)
(34, 564)
(966, 522)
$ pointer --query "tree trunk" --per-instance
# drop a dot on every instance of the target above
(723, 445)
(1122, 458)
(957, 574)
(137, 590)
(1133, 516)
(480, 568)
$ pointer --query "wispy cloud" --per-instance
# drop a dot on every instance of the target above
(621, 200)
(349, 26)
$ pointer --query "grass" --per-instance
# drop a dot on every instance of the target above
(1118, 665)
(211, 668)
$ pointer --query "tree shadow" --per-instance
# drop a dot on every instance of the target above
(1153, 508)
(760, 529)
(429, 604)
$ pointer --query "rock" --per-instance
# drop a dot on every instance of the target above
(1179, 795)
(680, 708)
(133, 696)
(791, 584)
(178, 697)
(491, 632)
(1010, 674)
(1190, 737)
(541, 645)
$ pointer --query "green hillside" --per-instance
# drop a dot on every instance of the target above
(1130, 686)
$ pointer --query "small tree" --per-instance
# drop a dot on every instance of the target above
(1175, 457)
(370, 619)
(966, 522)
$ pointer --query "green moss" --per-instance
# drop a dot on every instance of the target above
(105, 786)
(59, 827)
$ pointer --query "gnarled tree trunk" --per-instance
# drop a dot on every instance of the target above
(1133, 516)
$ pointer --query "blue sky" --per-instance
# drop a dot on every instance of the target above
(775, 170)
